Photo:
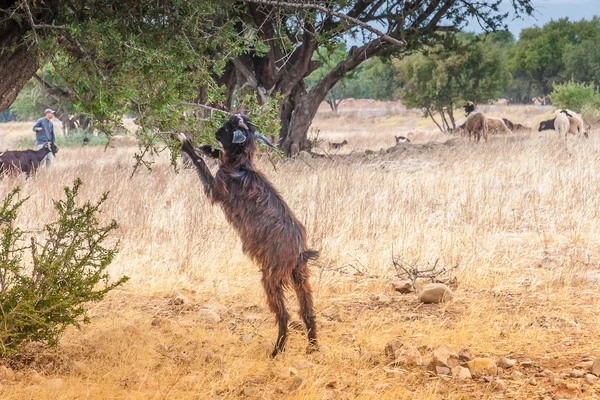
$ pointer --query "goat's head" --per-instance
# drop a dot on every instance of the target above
(469, 107)
(237, 135)
(52, 147)
(545, 125)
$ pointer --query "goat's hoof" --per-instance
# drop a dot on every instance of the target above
(276, 352)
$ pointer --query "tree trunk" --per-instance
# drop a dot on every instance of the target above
(451, 115)
(293, 136)
(17, 62)
(428, 112)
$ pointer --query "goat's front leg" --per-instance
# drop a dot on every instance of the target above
(201, 168)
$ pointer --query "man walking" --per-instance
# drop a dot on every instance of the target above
(44, 132)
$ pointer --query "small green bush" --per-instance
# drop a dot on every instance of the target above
(578, 97)
(43, 293)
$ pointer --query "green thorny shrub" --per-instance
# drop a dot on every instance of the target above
(46, 281)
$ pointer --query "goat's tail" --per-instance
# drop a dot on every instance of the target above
(307, 255)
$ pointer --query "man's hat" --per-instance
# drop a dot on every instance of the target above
(48, 110)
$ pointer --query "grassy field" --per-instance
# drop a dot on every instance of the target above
(519, 216)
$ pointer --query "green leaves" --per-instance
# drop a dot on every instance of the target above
(41, 298)
(578, 97)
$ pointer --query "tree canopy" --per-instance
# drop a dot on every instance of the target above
(155, 58)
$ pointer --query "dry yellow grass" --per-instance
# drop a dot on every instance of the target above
(520, 216)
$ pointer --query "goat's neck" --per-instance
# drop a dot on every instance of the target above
(43, 152)
(239, 161)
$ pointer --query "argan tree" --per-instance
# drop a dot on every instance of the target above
(153, 57)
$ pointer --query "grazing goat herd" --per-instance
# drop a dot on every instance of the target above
(478, 124)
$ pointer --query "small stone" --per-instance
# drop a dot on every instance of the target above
(591, 379)
(332, 313)
(533, 381)
(442, 370)
(408, 357)
(80, 368)
(302, 364)
(284, 372)
(6, 374)
(596, 367)
(403, 286)
(585, 365)
(504, 362)
(482, 366)
(516, 375)
(461, 373)
(435, 293)
(392, 347)
(178, 299)
(445, 357)
(304, 156)
(556, 381)
(499, 385)
(567, 391)
(577, 373)
(381, 298)
(209, 316)
(465, 355)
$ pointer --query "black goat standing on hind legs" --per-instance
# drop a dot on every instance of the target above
(271, 234)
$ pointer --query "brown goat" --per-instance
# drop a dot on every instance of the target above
(271, 234)
(476, 124)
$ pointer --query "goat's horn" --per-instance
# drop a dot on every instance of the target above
(263, 139)
(182, 138)
(241, 123)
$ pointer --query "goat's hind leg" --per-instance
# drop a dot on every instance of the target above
(276, 301)
(304, 294)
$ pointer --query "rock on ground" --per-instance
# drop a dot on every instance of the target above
(332, 313)
(504, 362)
(392, 348)
(445, 357)
(435, 293)
(209, 316)
(482, 366)
(461, 373)
(403, 286)
(596, 367)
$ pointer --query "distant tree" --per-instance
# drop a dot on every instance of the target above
(582, 61)
(374, 79)
(441, 80)
(538, 59)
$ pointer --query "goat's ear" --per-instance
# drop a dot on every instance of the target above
(239, 137)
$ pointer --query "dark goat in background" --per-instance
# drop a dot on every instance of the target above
(26, 160)
(546, 125)
(271, 234)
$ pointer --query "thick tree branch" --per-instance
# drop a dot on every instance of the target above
(325, 10)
